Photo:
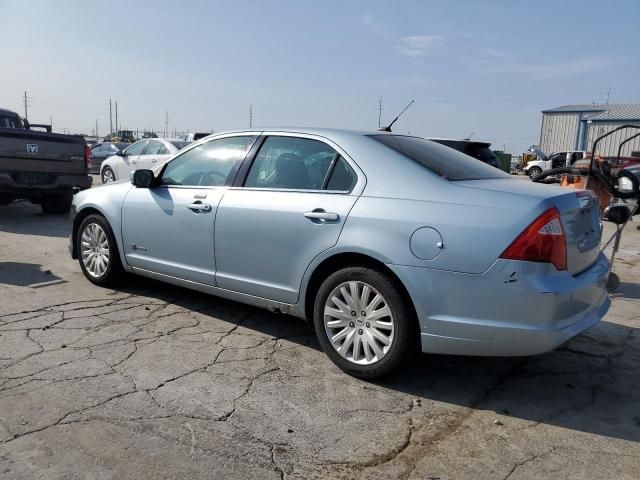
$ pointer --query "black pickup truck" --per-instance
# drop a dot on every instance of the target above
(42, 167)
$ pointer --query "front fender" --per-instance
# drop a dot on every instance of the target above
(107, 201)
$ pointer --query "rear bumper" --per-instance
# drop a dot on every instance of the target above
(55, 183)
(513, 309)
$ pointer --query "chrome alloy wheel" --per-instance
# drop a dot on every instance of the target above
(107, 176)
(358, 322)
(94, 250)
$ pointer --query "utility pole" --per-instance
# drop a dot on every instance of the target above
(25, 106)
(97, 134)
(116, 117)
(608, 95)
(250, 116)
(379, 111)
(110, 121)
(166, 123)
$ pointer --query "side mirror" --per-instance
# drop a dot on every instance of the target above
(142, 178)
(120, 153)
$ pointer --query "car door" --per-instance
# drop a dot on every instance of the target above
(168, 229)
(149, 157)
(166, 150)
(291, 207)
(129, 159)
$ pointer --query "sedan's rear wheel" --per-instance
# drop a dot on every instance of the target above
(363, 322)
(98, 251)
(107, 175)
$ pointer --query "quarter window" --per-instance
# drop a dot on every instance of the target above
(343, 177)
(209, 164)
(291, 163)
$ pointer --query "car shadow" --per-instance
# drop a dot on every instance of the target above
(573, 387)
(27, 275)
(627, 290)
(24, 218)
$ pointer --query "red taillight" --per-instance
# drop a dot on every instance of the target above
(542, 241)
(87, 156)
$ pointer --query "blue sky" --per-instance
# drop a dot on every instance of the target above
(485, 68)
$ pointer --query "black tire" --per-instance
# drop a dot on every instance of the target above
(534, 172)
(104, 173)
(613, 282)
(405, 334)
(113, 272)
(57, 203)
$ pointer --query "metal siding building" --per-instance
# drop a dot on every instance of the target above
(575, 127)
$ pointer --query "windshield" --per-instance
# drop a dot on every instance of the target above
(443, 161)
(179, 144)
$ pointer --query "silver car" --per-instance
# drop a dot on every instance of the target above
(386, 243)
(140, 155)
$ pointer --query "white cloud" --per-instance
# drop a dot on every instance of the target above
(419, 45)
(368, 21)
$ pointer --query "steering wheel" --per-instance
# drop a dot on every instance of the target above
(208, 179)
(204, 179)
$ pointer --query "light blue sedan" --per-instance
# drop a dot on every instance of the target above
(386, 243)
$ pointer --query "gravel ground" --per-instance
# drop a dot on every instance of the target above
(154, 381)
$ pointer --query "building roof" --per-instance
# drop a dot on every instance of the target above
(613, 111)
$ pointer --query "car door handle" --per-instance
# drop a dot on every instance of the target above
(199, 207)
(320, 214)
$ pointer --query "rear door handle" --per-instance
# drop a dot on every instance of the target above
(319, 214)
(199, 207)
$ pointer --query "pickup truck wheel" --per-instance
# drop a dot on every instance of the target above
(107, 175)
(57, 203)
(363, 322)
(534, 172)
(98, 251)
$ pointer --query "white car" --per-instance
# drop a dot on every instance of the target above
(555, 160)
(193, 137)
(144, 154)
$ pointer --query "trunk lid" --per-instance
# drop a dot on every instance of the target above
(579, 212)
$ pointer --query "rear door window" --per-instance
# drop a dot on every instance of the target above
(442, 161)
(153, 148)
(291, 163)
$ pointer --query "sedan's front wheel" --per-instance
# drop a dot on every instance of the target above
(363, 322)
(98, 251)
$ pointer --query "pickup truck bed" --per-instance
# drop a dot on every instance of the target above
(42, 167)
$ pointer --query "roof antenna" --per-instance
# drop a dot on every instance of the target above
(469, 137)
(388, 127)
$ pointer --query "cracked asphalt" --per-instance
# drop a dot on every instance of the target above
(154, 381)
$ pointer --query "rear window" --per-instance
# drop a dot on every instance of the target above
(179, 144)
(443, 161)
